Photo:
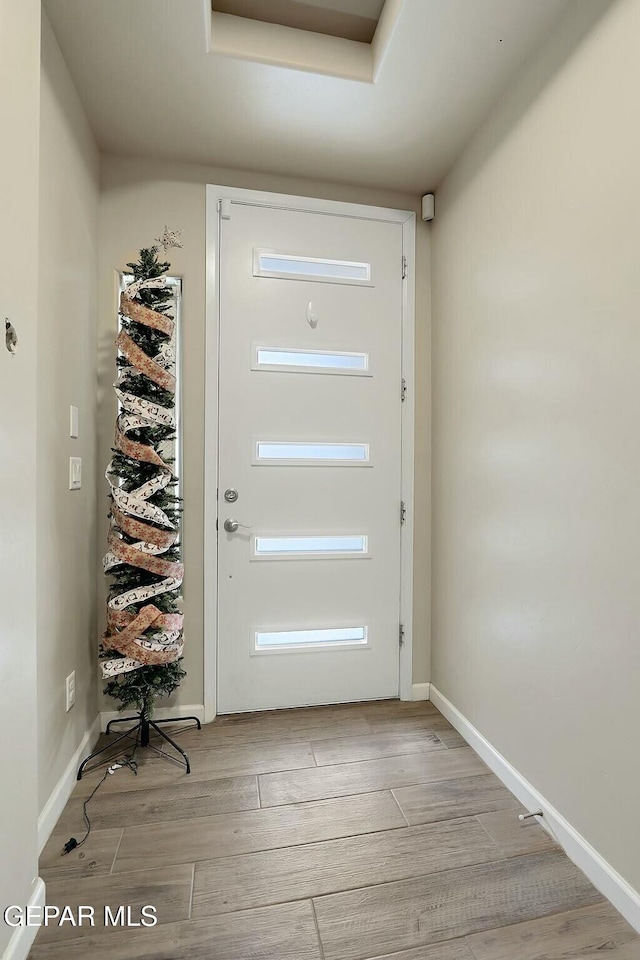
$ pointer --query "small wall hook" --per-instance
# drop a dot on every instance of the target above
(10, 336)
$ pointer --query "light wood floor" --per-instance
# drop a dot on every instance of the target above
(333, 833)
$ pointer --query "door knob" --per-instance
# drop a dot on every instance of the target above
(231, 526)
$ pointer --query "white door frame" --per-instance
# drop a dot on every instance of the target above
(219, 198)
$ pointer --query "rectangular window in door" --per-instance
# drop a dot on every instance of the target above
(291, 641)
(308, 453)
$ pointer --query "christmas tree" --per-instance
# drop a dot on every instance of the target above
(142, 647)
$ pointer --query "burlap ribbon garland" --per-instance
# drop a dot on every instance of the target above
(136, 356)
(168, 621)
(145, 560)
(135, 501)
(130, 448)
(149, 318)
(131, 513)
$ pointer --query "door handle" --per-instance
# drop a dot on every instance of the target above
(232, 526)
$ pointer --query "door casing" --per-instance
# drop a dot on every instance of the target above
(218, 199)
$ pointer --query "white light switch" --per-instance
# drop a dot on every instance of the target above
(70, 688)
(75, 473)
(73, 422)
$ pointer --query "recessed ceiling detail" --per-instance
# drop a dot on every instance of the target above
(340, 38)
(349, 19)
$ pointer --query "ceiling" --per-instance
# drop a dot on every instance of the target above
(150, 88)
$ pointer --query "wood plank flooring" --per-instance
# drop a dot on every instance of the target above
(356, 832)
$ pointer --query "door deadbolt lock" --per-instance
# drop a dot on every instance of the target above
(231, 495)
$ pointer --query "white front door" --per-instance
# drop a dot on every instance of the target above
(309, 458)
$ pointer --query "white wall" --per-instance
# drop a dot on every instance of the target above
(67, 360)
(19, 122)
(138, 197)
(536, 360)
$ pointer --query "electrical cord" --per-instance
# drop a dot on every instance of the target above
(132, 763)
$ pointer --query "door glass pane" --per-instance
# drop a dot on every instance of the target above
(290, 546)
(304, 638)
(312, 452)
(305, 359)
(289, 266)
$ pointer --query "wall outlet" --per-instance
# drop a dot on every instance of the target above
(71, 690)
(75, 473)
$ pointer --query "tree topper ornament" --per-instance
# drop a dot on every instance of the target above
(170, 238)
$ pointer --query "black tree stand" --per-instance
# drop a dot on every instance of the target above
(140, 734)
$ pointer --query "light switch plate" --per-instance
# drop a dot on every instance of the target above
(73, 422)
(70, 690)
(75, 473)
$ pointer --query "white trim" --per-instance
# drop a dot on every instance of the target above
(210, 520)
(63, 789)
(22, 938)
(283, 201)
(216, 197)
(161, 713)
(408, 456)
(420, 691)
(603, 876)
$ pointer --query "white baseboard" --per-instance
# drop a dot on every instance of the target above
(62, 791)
(162, 713)
(603, 876)
(420, 691)
(22, 938)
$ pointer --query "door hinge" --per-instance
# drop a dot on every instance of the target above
(401, 634)
(403, 511)
(404, 268)
(224, 209)
(403, 389)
